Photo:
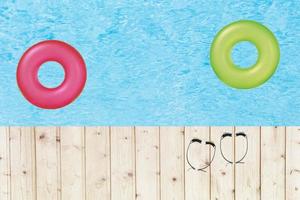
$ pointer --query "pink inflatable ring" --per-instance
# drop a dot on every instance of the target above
(64, 94)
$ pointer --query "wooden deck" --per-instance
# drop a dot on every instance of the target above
(117, 163)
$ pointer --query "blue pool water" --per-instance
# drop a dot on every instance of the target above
(148, 62)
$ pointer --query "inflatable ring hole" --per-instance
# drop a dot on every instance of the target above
(51, 74)
(244, 54)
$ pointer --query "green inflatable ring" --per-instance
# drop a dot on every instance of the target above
(257, 74)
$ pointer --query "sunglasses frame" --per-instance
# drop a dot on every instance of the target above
(226, 134)
(237, 135)
(196, 140)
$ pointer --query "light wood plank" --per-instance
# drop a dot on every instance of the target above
(222, 173)
(293, 163)
(47, 163)
(273, 163)
(72, 163)
(58, 158)
(147, 163)
(4, 164)
(122, 163)
(172, 163)
(247, 174)
(199, 155)
(98, 163)
(22, 151)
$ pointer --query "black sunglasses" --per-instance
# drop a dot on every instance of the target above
(211, 144)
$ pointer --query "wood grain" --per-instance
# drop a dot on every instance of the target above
(172, 162)
(145, 163)
(292, 163)
(47, 163)
(122, 163)
(273, 162)
(22, 163)
(72, 163)
(97, 155)
(5, 190)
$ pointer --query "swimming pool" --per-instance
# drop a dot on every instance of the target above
(148, 62)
